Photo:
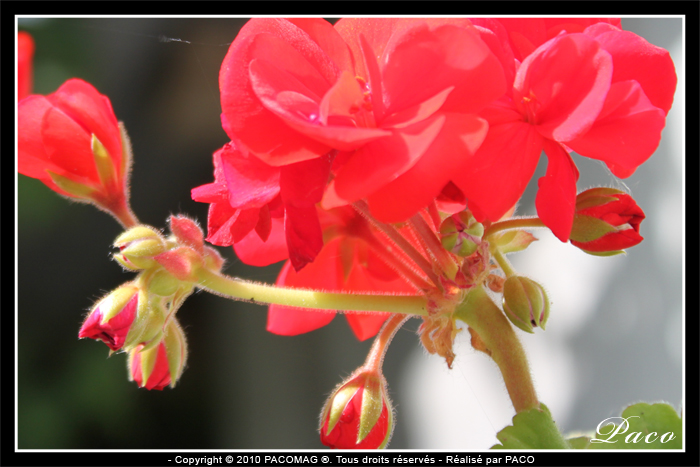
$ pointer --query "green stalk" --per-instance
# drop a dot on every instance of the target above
(270, 294)
(497, 335)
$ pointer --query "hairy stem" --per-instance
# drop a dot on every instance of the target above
(382, 341)
(517, 223)
(501, 343)
(270, 294)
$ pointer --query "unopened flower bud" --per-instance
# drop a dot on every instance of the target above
(606, 221)
(151, 314)
(461, 233)
(155, 367)
(525, 303)
(358, 414)
(138, 246)
(112, 317)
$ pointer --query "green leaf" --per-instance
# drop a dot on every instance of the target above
(531, 429)
(642, 426)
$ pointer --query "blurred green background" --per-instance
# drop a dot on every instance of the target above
(243, 387)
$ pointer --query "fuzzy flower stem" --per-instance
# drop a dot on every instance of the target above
(400, 242)
(516, 223)
(382, 341)
(270, 294)
(502, 261)
(501, 343)
(123, 213)
(433, 245)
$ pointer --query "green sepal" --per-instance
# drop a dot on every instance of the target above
(531, 429)
(339, 401)
(512, 241)
(73, 188)
(588, 228)
(103, 162)
(149, 321)
(115, 302)
(372, 404)
(176, 350)
(140, 232)
(596, 197)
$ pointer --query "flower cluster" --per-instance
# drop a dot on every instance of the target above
(415, 119)
(374, 155)
(403, 143)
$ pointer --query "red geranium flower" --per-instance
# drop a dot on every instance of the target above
(603, 93)
(395, 98)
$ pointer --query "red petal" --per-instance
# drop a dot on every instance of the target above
(526, 34)
(419, 63)
(251, 183)
(91, 110)
(303, 234)
(300, 109)
(303, 183)
(68, 145)
(635, 58)
(496, 176)
(219, 222)
(25, 52)
(459, 138)
(382, 161)
(210, 193)
(627, 132)
(264, 225)
(253, 251)
(32, 159)
(556, 198)
(247, 121)
(561, 86)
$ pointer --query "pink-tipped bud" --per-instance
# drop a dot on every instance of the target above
(112, 318)
(525, 303)
(358, 414)
(606, 221)
(155, 367)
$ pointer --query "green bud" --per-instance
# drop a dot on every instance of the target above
(138, 246)
(461, 234)
(149, 321)
(525, 303)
